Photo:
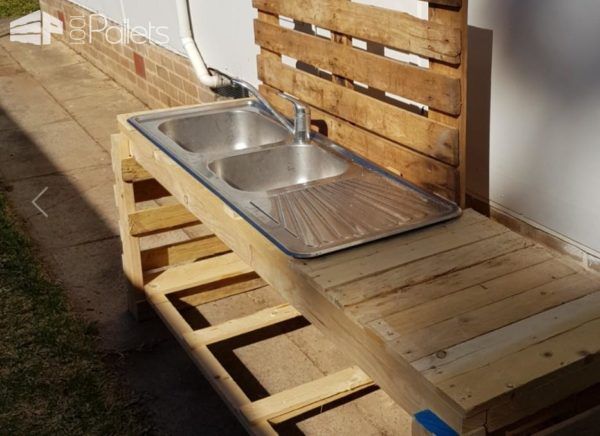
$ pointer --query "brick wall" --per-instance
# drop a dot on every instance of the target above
(157, 76)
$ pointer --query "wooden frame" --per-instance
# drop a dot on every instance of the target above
(212, 272)
(466, 325)
(331, 74)
(351, 296)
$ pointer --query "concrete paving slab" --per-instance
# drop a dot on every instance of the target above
(385, 414)
(47, 149)
(383, 417)
(80, 207)
(98, 115)
(320, 350)
(27, 103)
(36, 57)
(342, 420)
(5, 58)
(182, 401)
(76, 81)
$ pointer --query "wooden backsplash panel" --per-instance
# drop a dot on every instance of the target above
(330, 75)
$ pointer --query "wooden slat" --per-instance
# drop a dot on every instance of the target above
(125, 201)
(426, 268)
(492, 346)
(186, 251)
(406, 297)
(159, 219)
(132, 171)
(479, 386)
(419, 84)
(422, 170)
(469, 325)
(415, 131)
(353, 273)
(459, 19)
(432, 312)
(213, 270)
(388, 247)
(197, 298)
(345, 40)
(314, 393)
(239, 326)
(391, 28)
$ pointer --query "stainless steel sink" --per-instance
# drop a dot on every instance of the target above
(223, 131)
(308, 198)
(288, 165)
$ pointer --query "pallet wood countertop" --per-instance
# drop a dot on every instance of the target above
(467, 323)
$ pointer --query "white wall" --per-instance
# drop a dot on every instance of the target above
(544, 135)
(223, 29)
(536, 152)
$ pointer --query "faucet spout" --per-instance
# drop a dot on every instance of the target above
(264, 103)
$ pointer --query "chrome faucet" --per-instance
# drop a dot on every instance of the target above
(301, 119)
(301, 126)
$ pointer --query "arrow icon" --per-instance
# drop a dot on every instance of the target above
(37, 198)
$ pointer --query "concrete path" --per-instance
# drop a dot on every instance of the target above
(56, 116)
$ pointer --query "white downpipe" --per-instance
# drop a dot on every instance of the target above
(187, 39)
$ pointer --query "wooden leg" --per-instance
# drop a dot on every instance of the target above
(125, 200)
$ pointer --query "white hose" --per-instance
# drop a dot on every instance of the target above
(187, 39)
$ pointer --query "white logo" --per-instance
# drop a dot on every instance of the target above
(35, 28)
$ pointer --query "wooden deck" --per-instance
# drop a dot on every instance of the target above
(467, 321)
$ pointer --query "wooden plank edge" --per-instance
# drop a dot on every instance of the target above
(159, 219)
(240, 326)
(313, 394)
(181, 252)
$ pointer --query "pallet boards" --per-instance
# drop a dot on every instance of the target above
(467, 321)
(367, 100)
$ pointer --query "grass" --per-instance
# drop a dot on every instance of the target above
(52, 379)
(17, 8)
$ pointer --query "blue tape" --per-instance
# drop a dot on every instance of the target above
(433, 424)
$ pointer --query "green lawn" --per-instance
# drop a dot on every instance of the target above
(52, 379)
(17, 8)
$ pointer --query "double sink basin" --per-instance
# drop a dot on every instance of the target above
(308, 198)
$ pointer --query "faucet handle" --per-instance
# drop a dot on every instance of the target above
(301, 118)
(298, 105)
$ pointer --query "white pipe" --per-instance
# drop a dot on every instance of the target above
(187, 39)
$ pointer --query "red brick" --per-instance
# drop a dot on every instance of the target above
(140, 67)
